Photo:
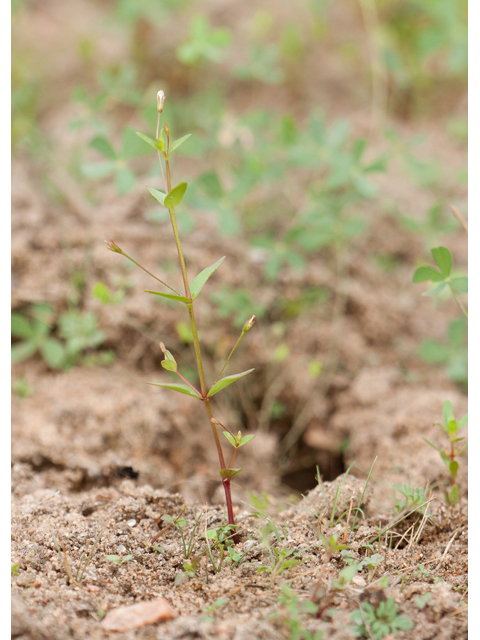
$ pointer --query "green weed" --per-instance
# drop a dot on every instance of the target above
(377, 623)
(170, 199)
(451, 428)
(77, 335)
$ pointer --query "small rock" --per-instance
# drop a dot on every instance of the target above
(138, 615)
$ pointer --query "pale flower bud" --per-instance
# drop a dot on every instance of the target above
(160, 101)
(248, 324)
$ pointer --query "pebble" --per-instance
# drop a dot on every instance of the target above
(138, 615)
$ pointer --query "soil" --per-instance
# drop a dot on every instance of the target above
(99, 456)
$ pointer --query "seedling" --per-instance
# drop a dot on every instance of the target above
(442, 276)
(78, 333)
(377, 623)
(180, 523)
(451, 428)
(118, 559)
(85, 559)
(295, 609)
(334, 588)
(170, 199)
(413, 496)
(204, 44)
(209, 612)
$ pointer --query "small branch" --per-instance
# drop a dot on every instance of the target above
(459, 217)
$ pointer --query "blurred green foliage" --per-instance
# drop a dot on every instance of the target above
(292, 185)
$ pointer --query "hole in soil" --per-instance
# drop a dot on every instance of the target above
(303, 477)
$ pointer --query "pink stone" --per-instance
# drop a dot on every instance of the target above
(138, 615)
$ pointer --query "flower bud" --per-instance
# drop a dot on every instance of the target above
(113, 247)
(248, 324)
(160, 101)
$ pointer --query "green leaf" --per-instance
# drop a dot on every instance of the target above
(246, 439)
(21, 327)
(443, 258)
(202, 277)
(174, 197)
(454, 496)
(158, 195)
(172, 296)
(452, 427)
(124, 180)
(147, 139)
(432, 351)
(453, 466)
(169, 363)
(53, 353)
(224, 382)
(23, 350)
(402, 622)
(460, 284)
(447, 412)
(432, 445)
(463, 421)
(132, 146)
(101, 292)
(230, 438)
(228, 474)
(97, 170)
(177, 143)
(103, 146)
(427, 273)
(181, 388)
(434, 292)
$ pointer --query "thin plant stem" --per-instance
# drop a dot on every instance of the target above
(187, 382)
(196, 343)
(459, 217)
(244, 331)
(457, 300)
(118, 250)
(363, 493)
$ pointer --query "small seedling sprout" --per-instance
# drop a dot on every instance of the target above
(451, 428)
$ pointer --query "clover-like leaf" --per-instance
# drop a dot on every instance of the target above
(21, 327)
(202, 277)
(175, 196)
(228, 474)
(460, 284)
(443, 258)
(103, 146)
(181, 388)
(427, 273)
(171, 296)
(224, 382)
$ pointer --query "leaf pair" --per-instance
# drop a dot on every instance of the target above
(443, 259)
(196, 285)
(184, 388)
(159, 143)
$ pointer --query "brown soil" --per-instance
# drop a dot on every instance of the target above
(98, 456)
